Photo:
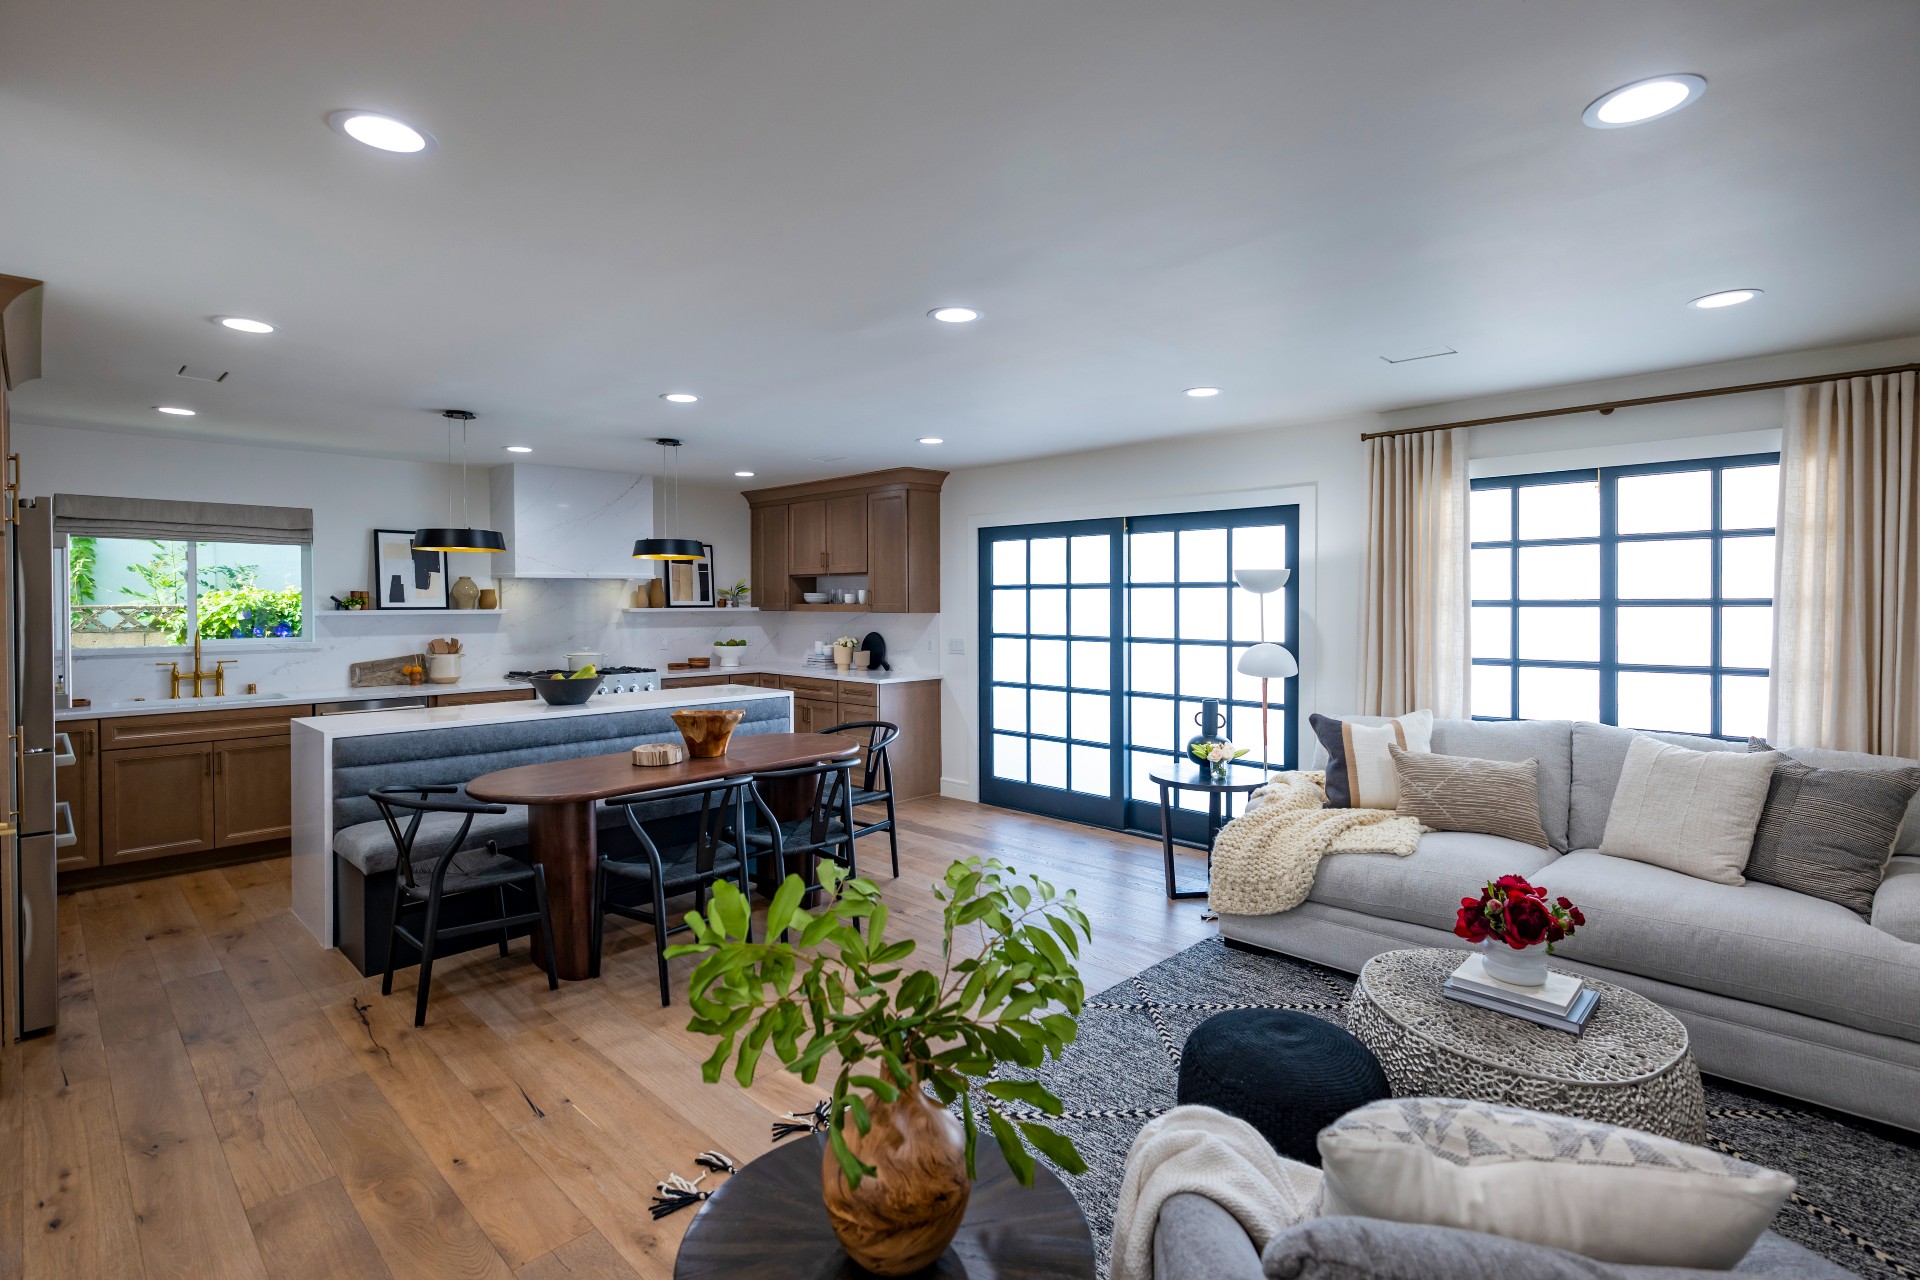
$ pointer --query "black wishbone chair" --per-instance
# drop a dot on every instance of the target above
(452, 870)
(875, 785)
(672, 864)
(825, 830)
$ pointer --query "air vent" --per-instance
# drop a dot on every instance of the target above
(1424, 353)
(200, 374)
(829, 457)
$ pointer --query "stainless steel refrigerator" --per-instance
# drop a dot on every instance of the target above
(38, 820)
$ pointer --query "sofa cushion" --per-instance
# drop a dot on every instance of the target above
(1691, 811)
(1908, 843)
(1426, 886)
(1599, 751)
(1754, 942)
(1195, 1239)
(1896, 904)
(1548, 741)
(1466, 793)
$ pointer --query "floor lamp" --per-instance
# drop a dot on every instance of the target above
(1267, 661)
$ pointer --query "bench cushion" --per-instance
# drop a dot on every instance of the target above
(1426, 886)
(1755, 942)
(369, 845)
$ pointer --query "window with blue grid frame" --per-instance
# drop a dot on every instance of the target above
(1639, 596)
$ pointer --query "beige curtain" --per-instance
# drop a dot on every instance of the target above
(1846, 625)
(1413, 610)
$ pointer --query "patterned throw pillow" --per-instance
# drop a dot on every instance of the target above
(1618, 1195)
(1360, 774)
(1459, 793)
(1828, 833)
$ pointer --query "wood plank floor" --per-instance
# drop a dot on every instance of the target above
(224, 1098)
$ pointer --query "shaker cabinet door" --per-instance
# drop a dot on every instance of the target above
(156, 801)
(847, 534)
(807, 537)
(253, 790)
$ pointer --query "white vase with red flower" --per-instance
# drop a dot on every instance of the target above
(1515, 925)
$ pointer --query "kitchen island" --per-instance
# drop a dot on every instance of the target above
(337, 759)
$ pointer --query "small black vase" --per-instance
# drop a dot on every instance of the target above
(1208, 719)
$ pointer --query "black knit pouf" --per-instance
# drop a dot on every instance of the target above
(1287, 1074)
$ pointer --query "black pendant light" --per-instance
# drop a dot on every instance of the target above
(451, 537)
(670, 548)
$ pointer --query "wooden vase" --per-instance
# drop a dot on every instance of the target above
(707, 730)
(904, 1215)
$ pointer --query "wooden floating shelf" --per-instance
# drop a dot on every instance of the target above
(803, 607)
(410, 613)
(697, 608)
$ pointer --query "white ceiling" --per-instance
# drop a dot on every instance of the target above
(758, 200)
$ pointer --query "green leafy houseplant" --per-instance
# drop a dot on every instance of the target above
(839, 993)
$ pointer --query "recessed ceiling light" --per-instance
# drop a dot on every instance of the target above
(519, 448)
(1725, 298)
(245, 325)
(175, 410)
(744, 475)
(381, 132)
(954, 315)
(1643, 100)
(931, 440)
(680, 397)
(1201, 393)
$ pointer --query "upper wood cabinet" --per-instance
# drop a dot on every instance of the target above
(884, 525)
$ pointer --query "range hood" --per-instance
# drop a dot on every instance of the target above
(570, 522)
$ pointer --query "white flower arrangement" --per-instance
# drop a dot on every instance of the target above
(1218, 754)
(847, 642)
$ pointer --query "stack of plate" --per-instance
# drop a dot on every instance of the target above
(814, 597)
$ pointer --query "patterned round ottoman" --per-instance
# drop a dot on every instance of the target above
(1632, 1066)
(1287, 1074)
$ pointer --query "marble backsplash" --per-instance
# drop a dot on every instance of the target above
(539, 623)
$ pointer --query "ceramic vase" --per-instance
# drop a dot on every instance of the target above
(464, 593)
(1208, 718)
(842, 656)
(1525, 968)
(443, 668)
(489, 598)
(902, 1216)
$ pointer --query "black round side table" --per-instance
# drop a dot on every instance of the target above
(766, 1222)
(1195, 778)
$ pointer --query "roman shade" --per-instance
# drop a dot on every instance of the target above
(92, 515)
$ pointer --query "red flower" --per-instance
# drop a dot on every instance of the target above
(1517, 913)
(1528, 922)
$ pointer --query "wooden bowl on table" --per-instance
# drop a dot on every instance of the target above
(707, 730)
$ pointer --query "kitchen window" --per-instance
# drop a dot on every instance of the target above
(1639, 596)
(127, 593)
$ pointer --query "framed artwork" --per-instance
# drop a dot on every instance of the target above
(690, 582)
(404, 578)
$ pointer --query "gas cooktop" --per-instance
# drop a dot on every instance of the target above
(612, 679)
(557, 671)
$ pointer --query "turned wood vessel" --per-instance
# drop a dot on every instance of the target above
(707, 729)
(905, 1214)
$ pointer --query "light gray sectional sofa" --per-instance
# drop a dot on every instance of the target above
(1778, 990)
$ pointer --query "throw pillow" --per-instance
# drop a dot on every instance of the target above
(1459, 793)
(1829, 832)
(1368, 1249)
(1360, 774)
(1688, 811)
(1618, 1195)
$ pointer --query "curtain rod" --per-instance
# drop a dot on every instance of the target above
(1608, 406)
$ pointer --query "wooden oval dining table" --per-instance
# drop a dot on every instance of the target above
(564, 836)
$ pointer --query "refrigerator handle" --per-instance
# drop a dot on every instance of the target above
(63, 750)
(64, 834)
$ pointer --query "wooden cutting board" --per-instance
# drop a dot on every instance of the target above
(383, 671)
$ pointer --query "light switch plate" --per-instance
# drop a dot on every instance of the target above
(956, 645)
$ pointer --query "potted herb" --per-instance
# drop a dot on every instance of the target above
(738, 593)
(897, 1168)
(729, 652)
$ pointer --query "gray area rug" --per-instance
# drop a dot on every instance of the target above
(1858, 1184)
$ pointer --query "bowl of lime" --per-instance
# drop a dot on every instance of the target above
(570, 690)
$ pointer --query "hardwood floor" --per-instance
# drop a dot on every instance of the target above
(225, 1098)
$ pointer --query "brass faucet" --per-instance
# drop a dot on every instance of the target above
(218, 675)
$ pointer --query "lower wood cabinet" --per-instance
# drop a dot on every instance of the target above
(252, 790)
(482, 696)
(156, 802)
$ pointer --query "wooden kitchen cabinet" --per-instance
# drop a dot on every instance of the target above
(914, 706)
(847, 533)
(77, 786)
(807, 538)
(772, 588)
(883, 526)
(252, 790)
(156, 801)
(481, 696)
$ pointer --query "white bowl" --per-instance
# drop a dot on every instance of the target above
(814, 597)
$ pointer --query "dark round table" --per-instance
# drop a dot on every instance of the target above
(1194, 778)
(766, 1222)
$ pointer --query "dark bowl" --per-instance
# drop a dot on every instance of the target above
(559, 691)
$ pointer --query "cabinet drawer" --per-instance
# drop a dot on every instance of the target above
(809, 685)
(857, 696)
(197, 726)
(474, 699)
(694, 682)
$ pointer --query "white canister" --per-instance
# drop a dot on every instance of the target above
(443, 668)
(581, 658)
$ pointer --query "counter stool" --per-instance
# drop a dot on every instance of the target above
(876, 778)
(452, 870)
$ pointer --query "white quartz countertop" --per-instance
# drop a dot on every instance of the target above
(302, 697)
(801, 669)
(410, 719)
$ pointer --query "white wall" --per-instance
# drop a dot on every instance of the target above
(539, 622)
(1324, 467)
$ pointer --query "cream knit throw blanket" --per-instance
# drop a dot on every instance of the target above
(1264, 860)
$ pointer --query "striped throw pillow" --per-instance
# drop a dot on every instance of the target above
(1460, 793)
(1828, 833)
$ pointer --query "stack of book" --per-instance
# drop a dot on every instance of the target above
(1563, 1002)
(824, 661)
